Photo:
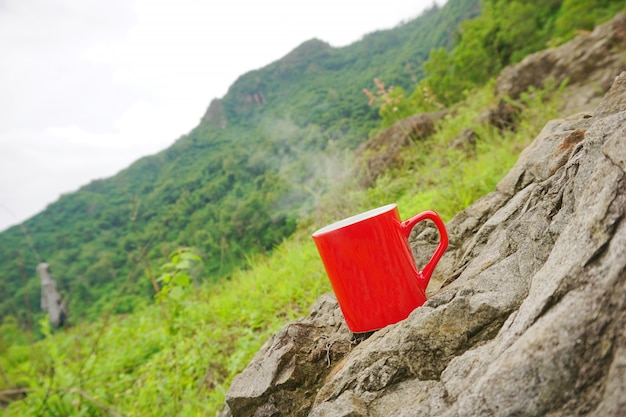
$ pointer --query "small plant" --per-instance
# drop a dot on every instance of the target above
(175, 280)
(382, 97)
(423, 99)
(389, 101)
(394, 104)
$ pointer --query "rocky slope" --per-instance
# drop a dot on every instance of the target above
(529, 320)
(587, 64)
(530, 323)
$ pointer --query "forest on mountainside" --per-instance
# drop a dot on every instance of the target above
(228, 190)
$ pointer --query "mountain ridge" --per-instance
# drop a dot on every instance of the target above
(233, 186)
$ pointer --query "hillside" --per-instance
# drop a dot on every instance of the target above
(529, 293)
(234, 186)
(512, 273)
(530, 320)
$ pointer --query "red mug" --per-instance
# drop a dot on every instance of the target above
(371, 267)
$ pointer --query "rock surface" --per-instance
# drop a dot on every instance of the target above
(530, 321)
(383, 151)
(290, 367)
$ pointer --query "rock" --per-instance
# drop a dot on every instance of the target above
(465, 140)
(589, 63)
(289, 368)
(615, 99)
(529, 322)
(383, 151)
(502, 116)
(51, 301)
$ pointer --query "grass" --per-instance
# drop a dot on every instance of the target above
(435, 175)
(133, 365)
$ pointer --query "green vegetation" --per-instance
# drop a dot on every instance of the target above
(506, 32)
(233, 187)
(218, 226)
(136, 364)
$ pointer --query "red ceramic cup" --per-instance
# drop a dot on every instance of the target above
(371, 267)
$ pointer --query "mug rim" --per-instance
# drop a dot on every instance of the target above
(357, 218)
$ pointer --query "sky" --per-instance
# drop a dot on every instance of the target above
(89, 86)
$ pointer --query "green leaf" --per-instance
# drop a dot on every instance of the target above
(176, 293)
(181, 279)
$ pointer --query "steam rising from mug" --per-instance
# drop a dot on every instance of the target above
(371, 267)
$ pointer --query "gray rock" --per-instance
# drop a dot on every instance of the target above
(587, 65)
(383, 150)
(589, 62)
(285, 374)
(614, 101)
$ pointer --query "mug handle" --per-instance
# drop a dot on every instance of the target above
(408, 225)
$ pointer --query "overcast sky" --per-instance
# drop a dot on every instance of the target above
(89, 86)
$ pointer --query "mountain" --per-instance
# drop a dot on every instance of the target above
(526, 308)
(234, 186)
